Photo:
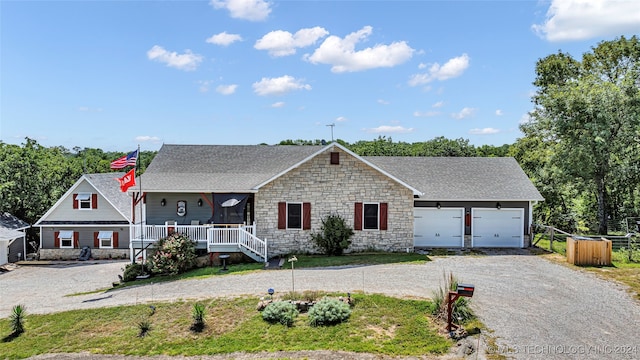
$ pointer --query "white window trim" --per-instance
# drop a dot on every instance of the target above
(88, 199)
(364, 204)
(63, 235)
(301, 215)
(102, 236)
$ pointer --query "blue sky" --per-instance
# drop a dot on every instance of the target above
(115, 74)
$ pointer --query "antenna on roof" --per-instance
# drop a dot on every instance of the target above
(332, 126)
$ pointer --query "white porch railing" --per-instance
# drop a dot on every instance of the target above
(242, 236)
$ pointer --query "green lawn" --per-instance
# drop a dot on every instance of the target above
(304, 261)
(378, 324)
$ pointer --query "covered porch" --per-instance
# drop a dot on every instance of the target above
(209, 237)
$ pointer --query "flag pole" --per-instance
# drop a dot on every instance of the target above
(138, 160)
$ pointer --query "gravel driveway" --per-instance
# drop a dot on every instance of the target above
(537, 309)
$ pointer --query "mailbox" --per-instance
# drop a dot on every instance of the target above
(465, 290)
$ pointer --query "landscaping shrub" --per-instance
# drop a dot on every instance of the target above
(17, 320)
(144, 326)
(282, 312)
(461, 309)
(132, 270)
(334, 235)
(198, 314)
(173, 255)
(329, 312)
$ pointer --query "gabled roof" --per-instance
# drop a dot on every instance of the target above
(11, 222)
(104, 184)
(228, 168)
(462, 178)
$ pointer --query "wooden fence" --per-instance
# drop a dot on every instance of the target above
(630, 243)
(589, 251)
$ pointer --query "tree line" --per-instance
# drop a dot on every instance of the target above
(581, 146)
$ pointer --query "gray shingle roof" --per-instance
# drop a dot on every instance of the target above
(110, 189)
(461, 178)
(11, 222)
(241, 168)
(219, 168)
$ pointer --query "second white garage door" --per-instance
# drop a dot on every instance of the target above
(438, 227)
(497, 228)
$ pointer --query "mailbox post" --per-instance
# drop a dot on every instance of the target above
(465, 290)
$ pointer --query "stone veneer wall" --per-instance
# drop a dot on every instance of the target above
(72, 254)
(334, 189)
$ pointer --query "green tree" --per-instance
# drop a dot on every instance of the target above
(588, 113)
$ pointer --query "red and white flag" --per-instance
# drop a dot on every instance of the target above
(128, 180)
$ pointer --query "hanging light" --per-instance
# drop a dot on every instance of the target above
(163, 202)
(199, 202)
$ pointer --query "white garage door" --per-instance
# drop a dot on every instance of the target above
(438, 227)
(497, 228)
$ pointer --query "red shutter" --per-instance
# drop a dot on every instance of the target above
(96, 241)
(306, 216)
(357, 217)
(56, 239)
(383, 216)
(115, 239)
(94, 201)
(282, 215)
(76, 236)
(75, 202)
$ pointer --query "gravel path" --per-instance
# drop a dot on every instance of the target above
(537, 309)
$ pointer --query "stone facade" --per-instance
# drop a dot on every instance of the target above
(72, 254)
(334, 189)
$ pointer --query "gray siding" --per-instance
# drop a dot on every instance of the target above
(65, 211)
(85, 235)
(157, 214)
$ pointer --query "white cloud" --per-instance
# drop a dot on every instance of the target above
(451, 69)
(426, 113)
(464, 113)
(383, 102)
(284, 43)
(499, 112)
(341, 119)
(569, 20)
(226, 89)
(224, 39)
(386, 129)
(439, 104)
(484, 131)
(278, 104)
(252, 10)
(147, 138)
(279, 86)
(343, 57)
(187, 61)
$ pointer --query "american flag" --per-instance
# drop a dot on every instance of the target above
(128, 160)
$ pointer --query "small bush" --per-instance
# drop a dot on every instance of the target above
(132, 270)
(17, 319)
(334, 235)
(329, 312)
(461, 309)
(173, 255)
(282, 312)
(198, 314)
(144, 326)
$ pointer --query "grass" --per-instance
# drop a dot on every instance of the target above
(304, 261)
(622, 270)
(378, 324)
